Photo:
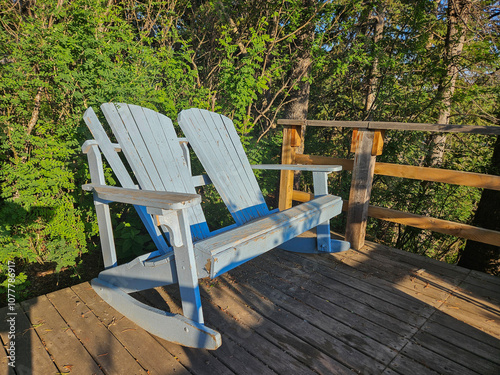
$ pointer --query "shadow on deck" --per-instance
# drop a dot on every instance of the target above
(374, 311)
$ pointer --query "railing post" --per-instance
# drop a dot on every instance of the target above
(292, 138)
(361, 185)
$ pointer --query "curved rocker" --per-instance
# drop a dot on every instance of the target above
(171, 327)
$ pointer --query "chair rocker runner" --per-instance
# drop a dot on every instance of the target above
(166, 200)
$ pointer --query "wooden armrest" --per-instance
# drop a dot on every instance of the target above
(148, 198)
(297, 167)
(92, 142)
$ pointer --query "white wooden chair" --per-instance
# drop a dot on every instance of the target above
(162, 190)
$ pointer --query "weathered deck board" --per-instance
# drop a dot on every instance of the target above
(280, 328)
(30, 352)
(455, 325)
(456, 296)
(57, 336)
(436, 361)
(268, 352)
(463, 341)
(230, 358)
(99, 341)
(137, 341)
(353, 295)
(406, 366)
(374, 311)
(369, 290)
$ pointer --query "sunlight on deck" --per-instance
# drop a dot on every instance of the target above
(374, 311)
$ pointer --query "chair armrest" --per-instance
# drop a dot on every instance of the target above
(157, 199)
(297, 167)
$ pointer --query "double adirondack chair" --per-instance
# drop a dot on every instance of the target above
(162, 189)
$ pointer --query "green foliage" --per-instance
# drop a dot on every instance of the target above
(59, 61)
(19, 286)
(237, 58)
(131, 239)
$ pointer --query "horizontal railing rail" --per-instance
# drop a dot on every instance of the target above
(377, 125)
(447, 176)
(367, 144)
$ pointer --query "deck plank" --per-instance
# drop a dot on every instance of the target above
(340, 292)
(456, 354)
(461, 341)
(239, 360)
(481, 317)
(141, 345)
(457, 326)
(488, 281)
(370, 290)
(366, 278)
(245, 312)
(446, 271)
(374, 311)
(197, 361)
(31, 355)
(101, 344)
(62, 344)
(479, 289)
(5, 369)
(367, 354)
(434, 360)
(273, 356)
(341, 351)
(354, 317)
(417, 283)
(233, 355)
(404, 365)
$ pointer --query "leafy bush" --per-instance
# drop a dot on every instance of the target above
(59, 60)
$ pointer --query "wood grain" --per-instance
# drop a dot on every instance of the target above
(156, 199)
(361, 186)
(448, 176)
(437, 225)
(402, 126)
(286, 177)
(66, 350)
(378, 310)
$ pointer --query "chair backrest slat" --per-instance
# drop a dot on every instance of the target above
(107, 149)
(217, 145)
(151, 147)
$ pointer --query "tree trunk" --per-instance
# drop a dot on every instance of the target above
(298, 105)
(476, 255)
(373, 77)
(458, 14)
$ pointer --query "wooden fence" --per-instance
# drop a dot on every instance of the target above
(367, 144)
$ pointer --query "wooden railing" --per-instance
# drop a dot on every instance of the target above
(367, 144)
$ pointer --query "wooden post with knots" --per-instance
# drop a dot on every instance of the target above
(366, 144)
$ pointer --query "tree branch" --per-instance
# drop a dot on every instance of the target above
(36, 111)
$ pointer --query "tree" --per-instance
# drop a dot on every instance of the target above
(457, 14)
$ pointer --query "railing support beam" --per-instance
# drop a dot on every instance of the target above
(292, 139)
(361, 186)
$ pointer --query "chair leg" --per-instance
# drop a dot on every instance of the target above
(105, 234)
(177, 225)
(323, 242)
(320, 183)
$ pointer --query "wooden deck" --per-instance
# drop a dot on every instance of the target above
(376, 311)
